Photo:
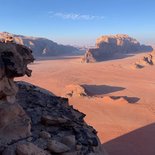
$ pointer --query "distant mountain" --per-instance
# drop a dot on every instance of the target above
(107, 47)
(42, 46)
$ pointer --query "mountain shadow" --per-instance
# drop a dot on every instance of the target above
(137, 142)
(129, 99)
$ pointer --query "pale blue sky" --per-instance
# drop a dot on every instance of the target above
(79, 21)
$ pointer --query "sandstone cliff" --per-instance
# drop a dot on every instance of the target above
(42, 46)
(107, 47)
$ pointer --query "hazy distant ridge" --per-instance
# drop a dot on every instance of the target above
(42, 46)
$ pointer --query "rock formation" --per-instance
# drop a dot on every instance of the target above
(38, 123)
(147, 60)
(74, 90)
(41, 47)
(14, 59)
(107, 47)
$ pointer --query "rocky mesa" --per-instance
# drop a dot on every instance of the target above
(41, 47)
(32, 120)
(110, 46)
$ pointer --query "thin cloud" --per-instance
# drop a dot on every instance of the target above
(74, 16)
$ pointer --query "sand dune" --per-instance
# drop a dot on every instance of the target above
(121, 99)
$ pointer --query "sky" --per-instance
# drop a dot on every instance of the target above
(79, 22)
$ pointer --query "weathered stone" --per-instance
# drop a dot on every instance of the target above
(70, 141)
(14, 123)
(57, 147)
(14, 59)
(50, 120)
(42, 143)
(45, 135)
(29, 149)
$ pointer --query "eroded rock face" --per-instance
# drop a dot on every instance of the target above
(147, 60)
(29, 149)
(14, 59)
(109, 46)
(14, 123)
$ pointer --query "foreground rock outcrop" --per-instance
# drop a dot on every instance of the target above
(36, 122)
(110, 47)
(56, 128)
(41, 47)
(147, 60)
(13, 63)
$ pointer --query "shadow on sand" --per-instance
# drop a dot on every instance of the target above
(94, 90)
(58, 57)
(137, 142)
(120, 56)
(116, 56)
(129, 99)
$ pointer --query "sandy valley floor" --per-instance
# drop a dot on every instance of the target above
(124, 128)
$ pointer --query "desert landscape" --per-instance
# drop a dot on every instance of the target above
(114, 92)
(77, 77)
(123, 124)
(32, 120)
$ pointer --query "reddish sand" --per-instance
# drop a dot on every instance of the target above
(124, 128)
